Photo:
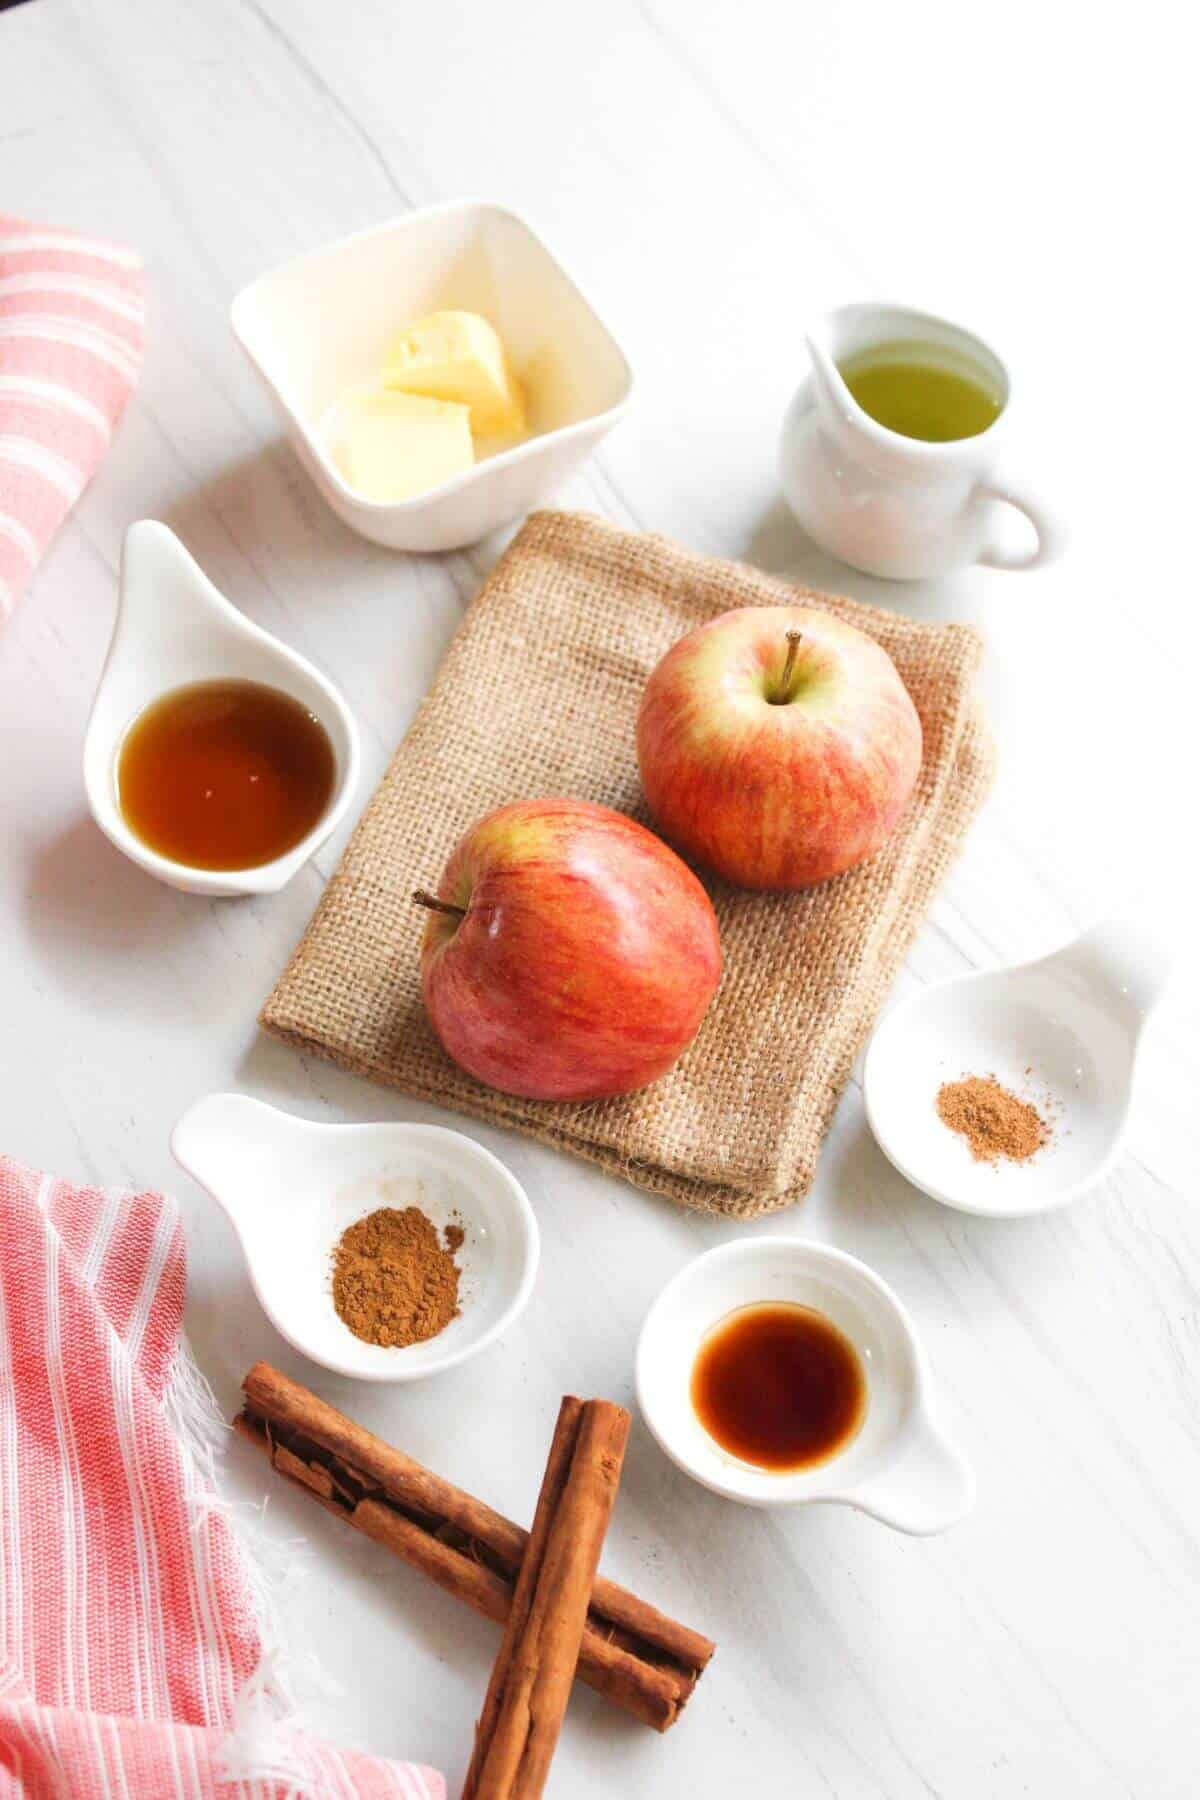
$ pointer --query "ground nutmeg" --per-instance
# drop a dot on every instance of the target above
(995, 1122)
(395, 1281)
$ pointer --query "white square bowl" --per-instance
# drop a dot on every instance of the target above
(322, 323)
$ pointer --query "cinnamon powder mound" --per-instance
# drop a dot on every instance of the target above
(995, 1122)
(394, 1281)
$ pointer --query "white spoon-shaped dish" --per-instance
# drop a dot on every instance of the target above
(291, 1186)
(898, 1466)
(174, 627)
(1062, 1032)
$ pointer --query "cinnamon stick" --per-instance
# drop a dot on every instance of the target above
(531, 1681)
(634, 1655)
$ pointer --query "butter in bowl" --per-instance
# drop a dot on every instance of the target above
(370, 348)
(445, 398)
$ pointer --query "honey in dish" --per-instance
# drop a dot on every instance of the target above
(779, 1386)
(224, 774)
(903, 388)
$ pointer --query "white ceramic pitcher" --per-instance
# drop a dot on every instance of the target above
(893, 505)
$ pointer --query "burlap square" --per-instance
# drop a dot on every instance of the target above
(538, 695)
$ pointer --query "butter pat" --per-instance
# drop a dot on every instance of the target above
(458, 356)
(392, 446)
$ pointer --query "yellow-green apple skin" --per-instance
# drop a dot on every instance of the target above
(777, 746)
(581, 958)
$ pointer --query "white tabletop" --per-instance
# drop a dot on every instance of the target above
(715, 175)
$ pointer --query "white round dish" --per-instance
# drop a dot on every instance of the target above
(291, 1186)
(898, 1467)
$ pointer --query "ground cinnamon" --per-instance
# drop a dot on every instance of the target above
(395, 1281)
(995, 1122)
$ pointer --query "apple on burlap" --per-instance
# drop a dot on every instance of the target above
(777, 746)
(569, 953)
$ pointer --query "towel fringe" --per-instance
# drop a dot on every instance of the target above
(263, 1743)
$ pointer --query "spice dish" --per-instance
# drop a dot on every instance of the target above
(895, 1464)
(322, 324)
(1062, 1032)
(291, 1187)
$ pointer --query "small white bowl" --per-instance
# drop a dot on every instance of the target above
(322, 323)
(898, 1467)
(1063, 1032)
(291, 1186)
(174, 627)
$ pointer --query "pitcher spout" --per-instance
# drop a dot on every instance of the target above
(828, 386)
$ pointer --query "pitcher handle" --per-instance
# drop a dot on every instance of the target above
(1051, 532)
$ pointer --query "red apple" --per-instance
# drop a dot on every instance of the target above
(777, 746)
(569, 953)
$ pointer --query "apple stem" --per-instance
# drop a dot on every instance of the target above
(423, 898)
(782, 692)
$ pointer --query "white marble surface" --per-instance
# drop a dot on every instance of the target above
(714, 174)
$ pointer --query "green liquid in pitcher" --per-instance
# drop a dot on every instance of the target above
(902, 389)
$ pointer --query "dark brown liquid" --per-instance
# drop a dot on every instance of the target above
(779, 1386)
(224, 774)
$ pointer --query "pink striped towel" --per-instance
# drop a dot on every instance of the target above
(71, 320)
(131, 1660)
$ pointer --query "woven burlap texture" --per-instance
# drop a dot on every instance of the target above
(538, 695)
